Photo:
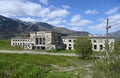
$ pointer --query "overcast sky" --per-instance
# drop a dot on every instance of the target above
(79, 15)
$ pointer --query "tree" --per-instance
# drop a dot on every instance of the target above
(83, 47)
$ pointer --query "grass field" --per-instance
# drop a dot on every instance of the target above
(6, 45)
(40, 66)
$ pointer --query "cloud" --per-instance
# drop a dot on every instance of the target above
(19, 8)
(44, 2)
(114, 22)
(28, 19)
(27, 8)
(32, 10)
(58, 13)
(113, 10)
(56, 22)
(76, 28)
(98, 28)
(66, 6)
(77, 21)
(91, 11)
(75, 18)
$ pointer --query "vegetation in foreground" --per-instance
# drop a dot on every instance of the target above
(45, 66)
(108, 67)
(5, 45)
(39, 66)
(83, 47)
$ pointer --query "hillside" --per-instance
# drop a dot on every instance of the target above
(13, 27)
(116, 34)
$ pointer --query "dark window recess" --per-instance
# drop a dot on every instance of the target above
(43, 40)
(33, 47)
(95, 46)
(94, 41)
(38, 47)
(36, 40)
(40, 40)
(69, 40)
(69, 48)
(101, 47)
(69, 44)
(65, 45)
(42, 48)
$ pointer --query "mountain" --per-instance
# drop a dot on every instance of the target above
(13, 27)
(116, 34)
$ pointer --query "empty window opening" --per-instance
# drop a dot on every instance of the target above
(42, 48)
(70, 48)
(65, 45)
(69, 44)
(95, 46)
(94, 41)
(69, 40)
(101, 47)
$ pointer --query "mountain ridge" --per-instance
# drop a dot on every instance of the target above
(116, 34)
(14, 27)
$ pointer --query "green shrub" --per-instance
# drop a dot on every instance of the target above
(83, 47)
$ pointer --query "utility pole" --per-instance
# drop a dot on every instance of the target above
(107, 41)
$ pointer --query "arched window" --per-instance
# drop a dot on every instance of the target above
(94, 41)
(101, 47)
(95, 46)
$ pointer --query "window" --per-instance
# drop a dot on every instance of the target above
(40, 40)
(43, 40)
(69, 44)
(94, 41)
(95, 46)
(69, 40)
(38, 47)
(101, 47)
(36, 40)
(69, 48)
(65, 45)
(42, 48)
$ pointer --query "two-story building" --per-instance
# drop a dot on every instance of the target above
(42, 40)
(21, 42)
(48, 40)
(98, 42)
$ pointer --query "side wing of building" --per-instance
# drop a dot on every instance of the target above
(21, 42)
(98, 42)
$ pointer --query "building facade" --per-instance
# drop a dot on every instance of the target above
(21, 42)
(43, 40)
(98, 42)
(48, 40)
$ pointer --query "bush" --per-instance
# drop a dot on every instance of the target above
(83, 47)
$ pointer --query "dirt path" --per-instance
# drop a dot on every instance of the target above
(37, 52)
